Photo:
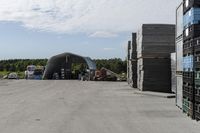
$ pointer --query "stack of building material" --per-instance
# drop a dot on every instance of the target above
(191, 17)
(179, 56)
(191, 54)
(132, 62)
(155, 42)
(154, 74)
(173, 72)
(128, 62)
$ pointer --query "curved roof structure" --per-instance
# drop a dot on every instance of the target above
(64, 61)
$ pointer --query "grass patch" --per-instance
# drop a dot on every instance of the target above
(20, 74)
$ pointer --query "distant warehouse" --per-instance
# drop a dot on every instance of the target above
(69, 66)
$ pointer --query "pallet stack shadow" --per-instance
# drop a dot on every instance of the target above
(191, 52)
(132, 62)
(155, 42)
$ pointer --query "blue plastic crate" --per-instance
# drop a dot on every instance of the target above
(188, 63)
(191, 17)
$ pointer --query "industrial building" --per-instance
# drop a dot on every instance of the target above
(60, 67)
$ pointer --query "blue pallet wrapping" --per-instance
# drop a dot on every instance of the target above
(191, 17)
(188, 63)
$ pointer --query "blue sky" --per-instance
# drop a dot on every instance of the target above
(19, 42)
(99, 29)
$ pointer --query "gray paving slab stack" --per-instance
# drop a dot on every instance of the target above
(132, 62)
(155, 42)
(154, 74)
(128, 62)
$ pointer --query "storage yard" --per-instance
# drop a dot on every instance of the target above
(154, 46)
(161, 93)
(150, 50)
(86, 107)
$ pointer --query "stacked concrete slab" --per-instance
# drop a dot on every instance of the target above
(128, 62)
(132, 62)
(155, 42)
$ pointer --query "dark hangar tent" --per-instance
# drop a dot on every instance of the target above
(62, 65)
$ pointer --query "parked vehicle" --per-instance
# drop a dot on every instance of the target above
(38, 73)
(34, 72)
(29, 73)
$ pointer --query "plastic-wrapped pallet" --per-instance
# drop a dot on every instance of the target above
(173, 72)
(179, 56)
(179, 91)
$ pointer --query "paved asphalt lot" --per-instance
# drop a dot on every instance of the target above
(86, 107)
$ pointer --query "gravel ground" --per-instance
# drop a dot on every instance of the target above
(86, 107)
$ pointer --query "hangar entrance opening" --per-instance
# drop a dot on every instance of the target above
(68, 66)
(78, 70)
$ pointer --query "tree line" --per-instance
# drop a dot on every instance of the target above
(18, 65)
(116, 65)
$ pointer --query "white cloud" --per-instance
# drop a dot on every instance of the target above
(103, 34)
(87, 16)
